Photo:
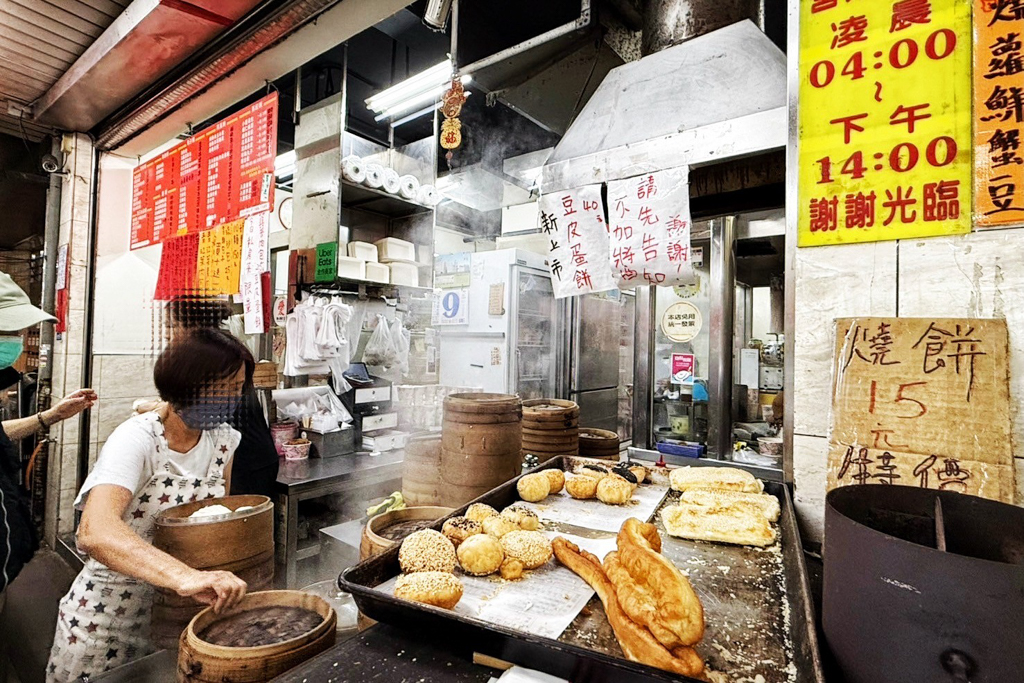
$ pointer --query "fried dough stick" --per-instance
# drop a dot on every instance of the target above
(636, 641)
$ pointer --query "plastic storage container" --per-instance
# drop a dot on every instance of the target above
(377, 272)
(393, 249)
(362, 250)
(352, 268)
(405, 274)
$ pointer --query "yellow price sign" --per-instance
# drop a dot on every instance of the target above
(885, 120)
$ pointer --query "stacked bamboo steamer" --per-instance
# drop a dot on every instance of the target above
(481, 447)
(600, 444)
(242, 544)
(550, 428)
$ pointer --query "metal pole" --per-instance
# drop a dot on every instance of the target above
(723, 299)
(89, 314)
(643, 367)
(51, 235)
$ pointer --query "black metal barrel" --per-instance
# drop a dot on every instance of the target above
(896, 608)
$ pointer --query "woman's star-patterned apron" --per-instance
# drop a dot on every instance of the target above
(103, 621)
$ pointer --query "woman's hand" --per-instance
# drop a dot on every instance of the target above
(71, 405)
(217, 588)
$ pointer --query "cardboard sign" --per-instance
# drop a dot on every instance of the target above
(218, 175)
(326, 262)
(998, 114)
(650, 229)
(885, 120)
(922, 402)
(573, 223)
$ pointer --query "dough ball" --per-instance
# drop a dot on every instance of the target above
(556, 479)
(499, 526)
(532, 548)
(458, 529)
(614, 490)
(522, 516)
(439, 589)
(480, 555)
(426, 551)
(534, 487)
(580, 486)
(478, 512)
(511, 569)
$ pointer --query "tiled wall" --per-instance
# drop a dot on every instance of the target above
(978, 275)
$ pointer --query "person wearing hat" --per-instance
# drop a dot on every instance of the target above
(17, 533)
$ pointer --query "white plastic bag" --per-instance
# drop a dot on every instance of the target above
(380, 349)
(401, 339)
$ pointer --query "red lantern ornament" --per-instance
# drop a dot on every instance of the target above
(451, 127)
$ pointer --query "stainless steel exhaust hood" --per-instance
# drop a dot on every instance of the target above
(730, 74)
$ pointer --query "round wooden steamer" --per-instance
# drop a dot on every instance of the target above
(594, 434)
(550, 437)
(553, 425)
(481, 403)
(372, 543)
(421, 471)
(202, 662)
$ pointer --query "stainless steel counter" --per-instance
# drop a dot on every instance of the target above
(299, 476)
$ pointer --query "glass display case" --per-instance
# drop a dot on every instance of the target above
(533, 328)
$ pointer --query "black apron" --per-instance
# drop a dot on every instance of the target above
(18, 540)
(254, 470)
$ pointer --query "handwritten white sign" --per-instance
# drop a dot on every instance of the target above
(573, 223)
(649, 218)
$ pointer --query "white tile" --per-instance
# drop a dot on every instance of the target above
(113, 411)
(810, 475)
(833, 282)
(980, 275)
(125, 376)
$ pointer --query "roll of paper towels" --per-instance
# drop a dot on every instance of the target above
(374, 176)
(353, 169)
(427, 195)
(408, 187)
(391, 181)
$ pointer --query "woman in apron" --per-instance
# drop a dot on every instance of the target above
(178, 453)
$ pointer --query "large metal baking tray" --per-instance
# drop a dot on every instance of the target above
(758, 612)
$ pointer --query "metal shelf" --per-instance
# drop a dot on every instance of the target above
(363, 198)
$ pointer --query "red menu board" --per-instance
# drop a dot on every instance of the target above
(220, 174)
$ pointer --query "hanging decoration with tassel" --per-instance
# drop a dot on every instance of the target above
(451, 127)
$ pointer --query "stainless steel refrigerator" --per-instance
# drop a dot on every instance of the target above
(601, 359)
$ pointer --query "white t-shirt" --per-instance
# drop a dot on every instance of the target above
(129, 458)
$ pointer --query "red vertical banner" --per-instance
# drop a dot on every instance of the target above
(177, 274)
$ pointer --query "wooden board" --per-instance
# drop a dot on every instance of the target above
(922, 402)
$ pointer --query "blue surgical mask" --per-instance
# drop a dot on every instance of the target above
(10, 349)
(209, 412)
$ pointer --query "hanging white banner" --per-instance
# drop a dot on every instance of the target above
(649, 238)
(573, 223)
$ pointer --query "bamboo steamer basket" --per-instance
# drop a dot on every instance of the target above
(480, 446)
(421, 471)
(242, 544)
(550, 427)
(599, 443)
(202, 662)
(372, 543)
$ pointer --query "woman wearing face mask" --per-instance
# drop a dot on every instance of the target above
(177, 453)
(17, 532)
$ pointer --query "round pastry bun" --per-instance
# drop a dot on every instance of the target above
(426, 551)
(522, 516)
(439, 589)
(532, 548)
(499, 526)
(511, 569)
(534, 487)
(478, 512)
(581, 486)
(556, 479)
(480, 555)
(458, 529)
(614, 490)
